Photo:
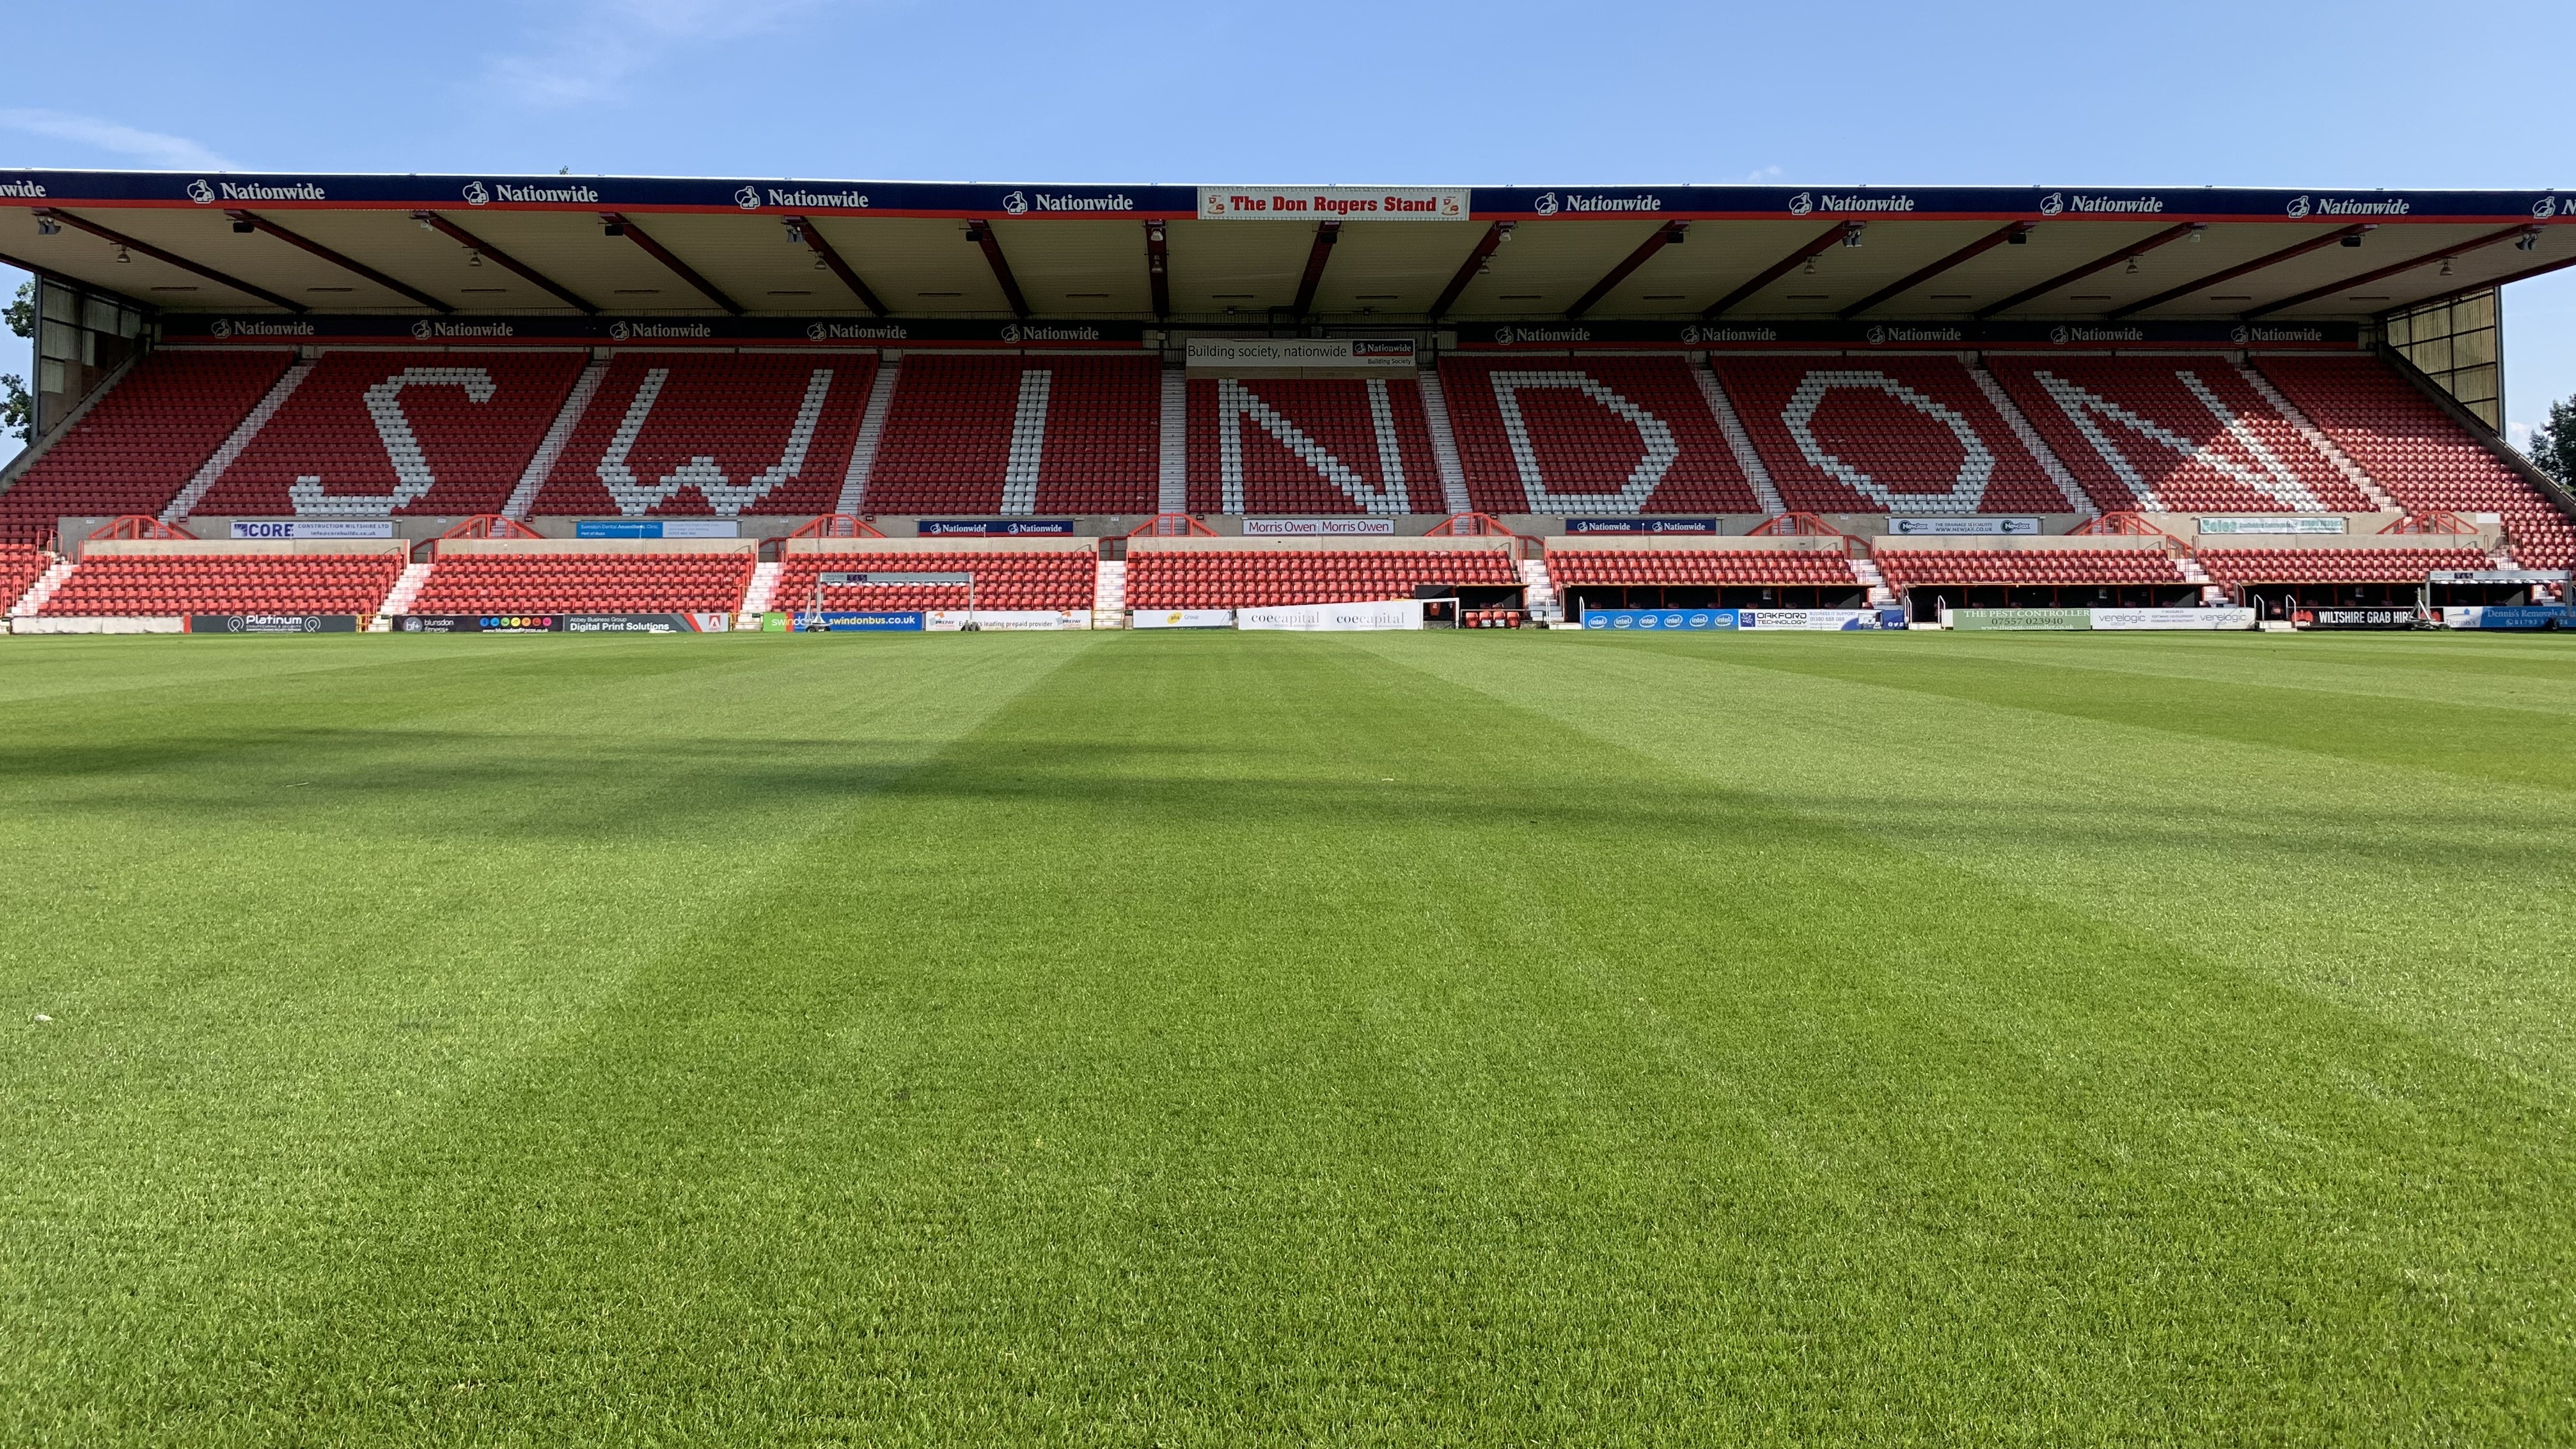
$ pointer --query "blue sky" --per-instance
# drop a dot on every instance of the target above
(2183, 92)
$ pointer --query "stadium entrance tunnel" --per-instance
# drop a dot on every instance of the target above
(1924, 605)
(1713, 596)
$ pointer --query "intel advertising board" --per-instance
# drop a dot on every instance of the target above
(1660, 621)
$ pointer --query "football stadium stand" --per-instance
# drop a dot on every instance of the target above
(2178, 435)
(134, 450)
(1219, 574)
(2065, 568)
(2413, 449)
(1310, 446)
(1056, 579)
(1884, 435)
(375, 433)
(532, 578)
(169, 583)
(1015, 436)
(727, 434)
(2241, 566)
(950, 382)
(1598, 435)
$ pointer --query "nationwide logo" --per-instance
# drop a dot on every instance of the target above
(2279, 334)
(1032, 332)
(1059, 201)
(248, 327)
(30, 188)
(2329, 206)
(856, 332)
(2298, 207)
(475, 195)
(1546, 204)
(427, 329)
(1801, 204)
(2063, 335)
(1831, 202)
(1695, 333)
(1613, 203)
(2541, 210)
(525, 194)
(254, 191)
(2051, 204)
(748, 198)
(1880, 335)
(2131, 205)
(624, 331)
(812, 200)
(1509, 336)
(1382, 347)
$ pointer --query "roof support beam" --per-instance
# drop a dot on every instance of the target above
(2314, 243)
(1468, 270)
(182, 263)
(831, 258)
(1781, 268)
(1900, 287)
(980, 232)
(2107, 259)
(2526, 274)
(1318, 253)
(459, 235)
(2443, 254)
(662, 254)
(347, 264)
(1158, 269)
(1669, 234)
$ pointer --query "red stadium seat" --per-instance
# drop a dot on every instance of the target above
(585, 583)
(2185, 435)
(2412, 449)
(1573, 568)
(1884, 435)
(158, 585)
(2334, 565)
(1310, 446)
(1249, 579)
(1060, 580)
(1046, 435)
(726, 433)
(1590, 435)
(1907, 568)
(376, 433)
(140, 444)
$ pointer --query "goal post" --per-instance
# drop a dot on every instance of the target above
(854, 579)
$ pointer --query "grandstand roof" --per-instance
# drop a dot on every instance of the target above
(1648, 257)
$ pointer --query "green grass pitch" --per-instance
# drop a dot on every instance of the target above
(1155, 1039)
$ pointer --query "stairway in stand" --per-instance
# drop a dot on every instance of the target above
(1880, 595)
(756, 599)
(1109, 595)
(1539, 592)
(398, 603)
(42, 589)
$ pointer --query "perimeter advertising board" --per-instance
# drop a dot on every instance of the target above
(1660, 621)
(1641, 525)
(1334, 618)
(2508, 616)
(1181, 619)
(1318, 527)
(2044, 620)
(657, 528)
(703, 623)
(274, 528)
(858, 621)
(995, 527)
(272, 623)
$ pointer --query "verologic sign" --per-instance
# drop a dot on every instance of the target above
(2037, 619)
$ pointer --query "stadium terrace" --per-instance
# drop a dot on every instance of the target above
(406, 401)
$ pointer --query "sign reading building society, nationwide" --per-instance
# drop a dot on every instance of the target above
(1333, 203)
(1389, 353)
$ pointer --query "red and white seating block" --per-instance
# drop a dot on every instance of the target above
(1884, 435)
